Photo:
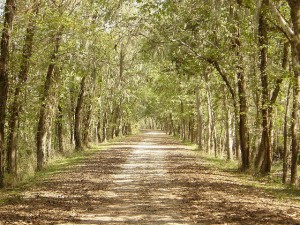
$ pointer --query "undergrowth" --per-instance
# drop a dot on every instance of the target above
(271, 184)
(55, 166)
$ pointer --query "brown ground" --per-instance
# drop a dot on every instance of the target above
(149, 179)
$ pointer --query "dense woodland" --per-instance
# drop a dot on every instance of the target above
(222, 74)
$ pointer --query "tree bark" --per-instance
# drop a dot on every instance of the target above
(295, 120)
(285, 139)
(104, 127)
(89, 112)
(59, 128)
(9, 12)
(43, 124)
(199, 118)
(228, 142)
(264, 157)
(295, 43)
(98, 131)
(16, 105)
(243, 108)
(77, 120)
(211, 121)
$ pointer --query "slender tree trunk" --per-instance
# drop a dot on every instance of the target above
(243, 112)
(104, 127)
(183, 127)
(295, 121)
(117, 120)
(191, 129)
(285, 139)
(295, 43)
(78, 111)
(199, 118)
(210, 119)
(242, 97)
(90, 108)
(237, 149)
(171, 126)
(98, 127)
(228, 142)
(9, 12)
(86, 125)
(264, 160)
(285, 61)
(71, 115)
(243, 128)
(214, 134)
(59, 128)
(98, 132)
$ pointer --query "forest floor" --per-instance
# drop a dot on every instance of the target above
(145, 179)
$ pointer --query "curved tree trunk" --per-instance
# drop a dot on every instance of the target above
(43, 124)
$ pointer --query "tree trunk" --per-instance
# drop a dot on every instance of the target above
(86, 125)
(77, 120)
(295, 122)
(16, 106)
(228, 142)
(183, 127)
(237, 149)
(199, 118)
(59, 128)
(98, 132)
(285, 139)
(285, 62)
(104, 127)
(243, 128)
(88, 118)
(71, 114)
(264, 157)
(295, 43)
(211, 129)
(43, 124)
(9, 12)
(243, 112)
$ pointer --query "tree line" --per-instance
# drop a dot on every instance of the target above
(222, 74)
(229, 78)
(66, 80)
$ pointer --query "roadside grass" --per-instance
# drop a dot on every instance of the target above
(57, 165)
(271, 184)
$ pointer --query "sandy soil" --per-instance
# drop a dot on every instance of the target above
(147, 179)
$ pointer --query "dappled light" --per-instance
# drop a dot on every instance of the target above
(149, 112)
(139, 184)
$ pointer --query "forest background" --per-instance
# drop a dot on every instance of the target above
(221, 74)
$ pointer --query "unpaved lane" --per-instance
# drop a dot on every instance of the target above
(142, 191)
(149, 179)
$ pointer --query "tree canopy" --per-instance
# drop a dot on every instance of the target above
(221, 74)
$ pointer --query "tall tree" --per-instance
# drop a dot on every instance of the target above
(293, 35)
(16, 105)
(43, 124)
(9, 13)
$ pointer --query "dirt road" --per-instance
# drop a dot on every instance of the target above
(147, 179)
